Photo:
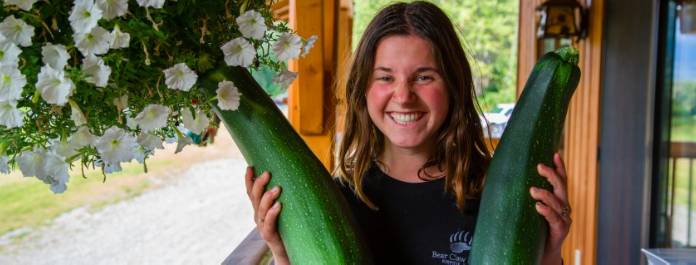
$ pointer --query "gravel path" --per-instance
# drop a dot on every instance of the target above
(198, 219)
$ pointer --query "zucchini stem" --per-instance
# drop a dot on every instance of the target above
(568, 54)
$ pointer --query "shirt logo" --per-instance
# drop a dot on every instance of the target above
(460, 241)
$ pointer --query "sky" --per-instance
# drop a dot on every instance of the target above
(685, 57)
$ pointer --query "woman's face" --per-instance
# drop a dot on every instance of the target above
(407, 98)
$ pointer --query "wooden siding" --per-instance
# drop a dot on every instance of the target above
(581, 137)
(311, 104)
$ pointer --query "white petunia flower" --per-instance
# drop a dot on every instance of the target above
(76, 114)
(10, 116)
(48, 167)
(110, 169)
(252, 25)
(9, 52)
(151, 3)
(182, 142)
(228, 96)
(55, 55)
(116, 146)
(93, 65)
(64, 149)
(4, 168)
(118, 39)
(17, 31)
(113, 8)
(153, 117)
(54, 87)
(123, 100)
(180, 77)
(12, 83)
(285, 78)
(287, 47)
(23, 4)
(84, 16)
(150, 141)
(130, 122)
(197, 125)
(31, 163)
(141, 153)
(93, 42)
(238, 52)
(57, 172)
(82, 137)
(308, 44)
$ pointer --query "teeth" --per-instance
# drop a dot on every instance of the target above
(402, 118)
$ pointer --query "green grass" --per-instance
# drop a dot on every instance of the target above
(30, 202)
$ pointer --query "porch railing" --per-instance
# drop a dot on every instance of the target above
(682, 156)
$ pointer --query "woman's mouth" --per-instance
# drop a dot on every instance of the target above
(405, 118)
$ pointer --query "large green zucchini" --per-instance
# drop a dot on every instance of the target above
(316, 223)
(508, 229)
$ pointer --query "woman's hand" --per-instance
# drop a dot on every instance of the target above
(555, 208)
(266, 210)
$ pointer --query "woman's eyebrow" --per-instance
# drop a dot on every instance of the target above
(418, 70)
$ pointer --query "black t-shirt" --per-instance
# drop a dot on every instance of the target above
(417, 223)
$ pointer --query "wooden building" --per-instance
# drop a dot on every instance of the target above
(622, 162)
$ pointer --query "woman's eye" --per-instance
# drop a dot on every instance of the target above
(384, 78)
(425, 78)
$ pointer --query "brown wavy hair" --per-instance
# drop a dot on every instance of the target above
(459, 148)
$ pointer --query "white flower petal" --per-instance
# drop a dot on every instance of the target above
(55, 55)
(197, 125)
(182, 142)
(150, 141)
(110, 169)
(64, 149)
(23, 4)
(4, 167)
(17, 31)
(153, 117)
(84, 16)
(123, 100)
(141, 154)
(54, 87)
(10, 116)
(116, 146)
(180, 77)
(308, 44)
(228, 96)
(238, 52)
(93, 65)
(130, 122)
(56, 172)
(82, 138)
(287, 47)
(9, 52)
(12, 83)
(76, 114)
(93, 42)
(31, 163)
(251, 24)
(285, 78)
(151, 3)
(118, 39)
(113, 8)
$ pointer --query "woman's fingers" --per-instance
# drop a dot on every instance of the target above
(555, 179)
(249, 180)
(258, 187)
(558, 225)
(560, 166)
(549, 200)
(269, 197)
(269, 226)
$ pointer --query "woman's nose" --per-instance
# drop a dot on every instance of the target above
(403, 93)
